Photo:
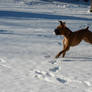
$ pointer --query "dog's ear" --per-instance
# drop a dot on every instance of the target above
(61, 22)
(64, 24)
(87, 28)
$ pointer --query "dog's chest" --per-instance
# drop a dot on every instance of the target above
(65, 40)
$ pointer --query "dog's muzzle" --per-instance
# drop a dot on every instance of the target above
(57, 32)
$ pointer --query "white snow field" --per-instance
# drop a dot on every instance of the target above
(28, 47)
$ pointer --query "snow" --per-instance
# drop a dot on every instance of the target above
(28, 47)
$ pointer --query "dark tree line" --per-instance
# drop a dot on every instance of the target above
(90, 4)
(86, 0)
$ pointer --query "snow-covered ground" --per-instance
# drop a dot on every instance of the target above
(28, 47)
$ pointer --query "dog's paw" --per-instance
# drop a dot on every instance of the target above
(56, 56)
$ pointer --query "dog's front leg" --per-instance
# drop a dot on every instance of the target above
(64, 45)
(63, 51)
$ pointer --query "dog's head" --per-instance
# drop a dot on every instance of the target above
(60, 29)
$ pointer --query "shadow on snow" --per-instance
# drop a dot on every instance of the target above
(25, 15)
(83, 59)
(40, 35)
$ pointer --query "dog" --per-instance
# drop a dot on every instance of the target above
(72, 38)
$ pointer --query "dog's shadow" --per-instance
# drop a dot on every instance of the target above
(82, 59)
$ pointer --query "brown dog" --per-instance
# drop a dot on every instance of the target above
(72, 38)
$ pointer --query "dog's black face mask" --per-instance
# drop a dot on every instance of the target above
(57, 32)
(60, 29)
